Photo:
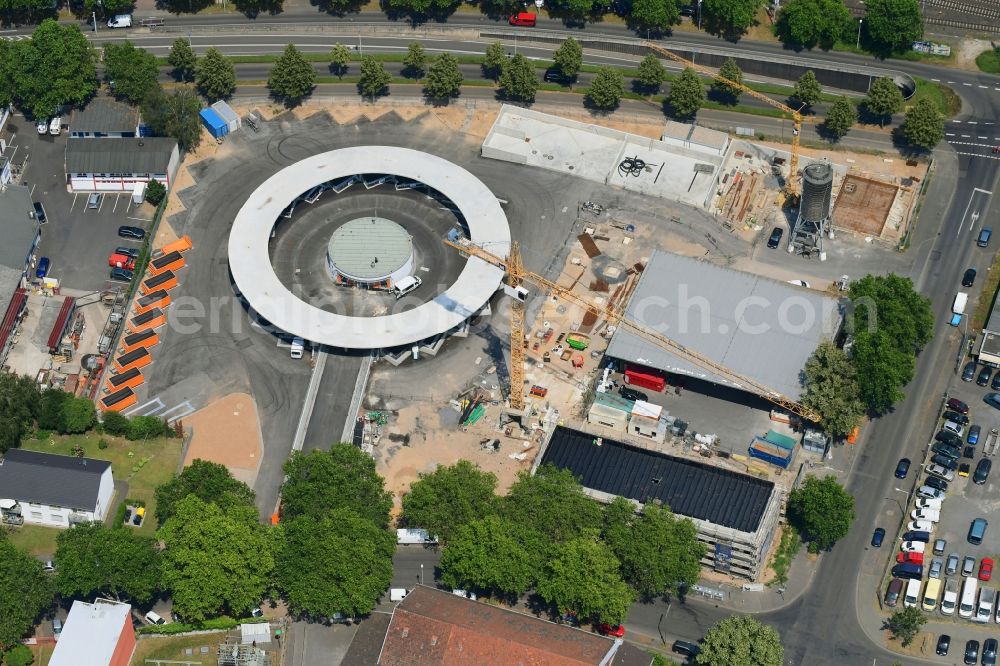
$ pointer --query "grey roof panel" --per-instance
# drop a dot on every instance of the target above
(43, 478)
(146, 155)
(757, 327)
(17, 229)
(104, 114)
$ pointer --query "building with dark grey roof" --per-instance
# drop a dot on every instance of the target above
(56, 491)
(105, 117)
(736, 514)
(118, 165)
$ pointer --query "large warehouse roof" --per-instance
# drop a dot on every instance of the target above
(18, 227)
(690, 488)
(146, 155)
(757, 327)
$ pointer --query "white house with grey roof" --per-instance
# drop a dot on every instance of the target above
(56, 491)
(118, 164)
(104, 117)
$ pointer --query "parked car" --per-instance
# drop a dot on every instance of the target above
(984, 376)
(957, 417)
(982, 472)
(39, 212)
(969, 371)
(968, 565)
(943, 645)
(902, 468)
(121, 275)
(944, 461)
(939, 546)
(951, 426)
(893, 591)
(963, 470)
(94, 200)
(42, 127)
(878, 536)
(120, 21)
(992, 399)
(989, 652)
(948, 437)
(922, 503)
(43, 267)
(949, 600)
(969, 277)
(48, 567)
(555, 75)
(977, 530)
(128, 251)
(55, 126)
(971, 652)
(913, 546)
(995, 384)
(975, 430)
(951, 564)
(922, 536)
(614, 630)
(926, 515)
(126, 231)
(927, 491)
(941, 472)
(957, 405)
(986, 568)
(935, 569)
(632, 394)
(984, 237)
(910, 558)
(920, 526)
(775, 238)
(935, 482)
(969, 452)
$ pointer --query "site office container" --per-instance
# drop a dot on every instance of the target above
(640, 375)
(215, 125)
(167, 262)
(166, 281)
(156, 299)
(150, 319)
(128, 379)
(135, 359)
(119, 400)
(147, 339)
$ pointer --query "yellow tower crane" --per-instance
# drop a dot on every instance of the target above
(515, 275)
(792, 184)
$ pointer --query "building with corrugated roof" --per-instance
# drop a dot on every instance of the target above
(104, 117)
(119, 164)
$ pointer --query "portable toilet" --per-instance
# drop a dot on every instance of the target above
(215, 125)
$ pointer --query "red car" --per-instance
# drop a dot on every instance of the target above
(116, 260)
(910, 558)
(986, 568)
(958, 406)
(614, 630)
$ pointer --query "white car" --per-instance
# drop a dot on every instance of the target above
(932, 493)
(951, 426)
(926, 515)
(923, 503)
(920, 525)
(43, 126)
(120, 21)
(55, 126)
(939, 471)
(949, 601)
(799, 283)
(913, 546)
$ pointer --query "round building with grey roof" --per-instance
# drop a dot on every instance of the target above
(370, 251)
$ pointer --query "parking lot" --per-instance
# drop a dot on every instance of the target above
(76, 239)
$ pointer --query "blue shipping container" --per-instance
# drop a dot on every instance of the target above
(769, 452)
(215, 125)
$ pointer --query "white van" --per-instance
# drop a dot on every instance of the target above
(120, 21)
(950, 598)
(912, 596)
(969, 589)
(406, 285)
(987, 597)
(298, 346)
(397, 593)
(55, 126)
(153, 618)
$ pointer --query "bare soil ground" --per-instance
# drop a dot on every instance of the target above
(227, 431)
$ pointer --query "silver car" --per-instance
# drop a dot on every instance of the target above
(952, 566)
(968, 565)
(936, 565)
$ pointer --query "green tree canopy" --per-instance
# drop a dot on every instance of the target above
(583, 577)
(884, 98)
(606, 89)
(893, 25)
(841, 117)
(339, 563)
(654, 15)
(50, 409)
(19, 655)
(444, 78)
(78, 415)
(215, 75)
(155, 192)
(732, 72)
(340, 56)
(495, 60)
(134, 70)
(113, 422)
(741, 639)
(831, 388)
(254, 8)
(215, 561)
(291, 78)
(822, 511)
(374, 77)
(19, 406)
(924, 125)
(95, 560)
(174, 115)
(25, 591)
(415, 60)
(343, 477)
(183, 59)
(518, 80)
(448, 498)
(552, 502)
(652, 73)
(807, 23)
(568, 58)
(891, 324)
(808, 91)
(730, 17)
(57, 66)
(209, 481)
(422, 8)
(490, 554)
(657, 551)
(905, 623)
(686, 94)
(576, 9)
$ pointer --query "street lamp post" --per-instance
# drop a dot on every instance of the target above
(858, 45)
(421, 573)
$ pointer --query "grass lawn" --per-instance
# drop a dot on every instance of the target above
(172, 647)
(944, 98)
(992, 278)
(144, 465)
(988, 62)
(35, 539)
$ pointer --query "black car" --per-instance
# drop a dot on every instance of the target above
(946, 449)
(948, 437)
(969, 452)
(775, 238)
(984, 376)
(555, 75)
(960, 419)
(945, 461)
(969, 278)
(917, 535)
(982, 472)
(902, 468)
(126, 231)
(968, 372)
(134, 252)
(972, 652)
(878, 536)
(935, 482)
(632, 394)
(121, 275)
(995, 384)
(943, 645)
(992, 399)
(990, 652)
(39, 212)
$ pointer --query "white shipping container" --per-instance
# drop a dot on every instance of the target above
(227, 114)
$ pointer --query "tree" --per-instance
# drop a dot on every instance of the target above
(252, 8)
(806, 23)
(19, 655)
(174, 115)
(552, 502)
(518, 80)
(444, 78)
(652, 73)
(448, 498)
(686, 94)
(145, 427)
(741, 639)
(657, 551)
(344, 476)
(209, 481)
(215, 75)
(568, 58)
(655, 15)
(822, 511)
(490, 554)
(422, 8)
(606, 89)
(500, 8)
(25, 591)
(831, 388)
(905, 624)
(291, 78)
(50, 409)
(155, 192)
(340, 55)
(414, 61)
(95, 560)
(183, 59)
(19, 404)
(374, 77)
(583, 577)
(495, 60)
(884, 99)
(893, 25)
(807, 91)
(341, 563)
(56, 66)
(731, 17)
(729, 93)
(891, 323)
(924, 125)
(841, 117)
(78, 415)
(134, 70)
(114, 423)
(215, 561)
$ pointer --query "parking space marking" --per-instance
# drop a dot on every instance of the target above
(140, 219)
(100, 206)
(73, 205)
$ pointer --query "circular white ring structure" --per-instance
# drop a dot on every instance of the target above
(370, 250)
(250, 264)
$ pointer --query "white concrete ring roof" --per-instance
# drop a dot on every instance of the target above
(251, 268)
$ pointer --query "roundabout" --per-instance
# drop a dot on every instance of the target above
(368, 250)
